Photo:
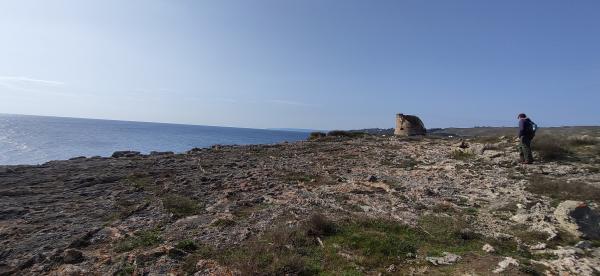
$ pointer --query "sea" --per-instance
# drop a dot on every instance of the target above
(33, 140)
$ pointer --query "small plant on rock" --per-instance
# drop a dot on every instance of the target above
(139, 239)
(461, 154)
(187, 245)
(180, 206)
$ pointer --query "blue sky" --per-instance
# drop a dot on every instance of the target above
(321, 64)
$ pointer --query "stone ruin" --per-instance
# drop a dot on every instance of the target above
(409, 125)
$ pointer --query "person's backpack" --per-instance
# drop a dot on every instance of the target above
(533, 127)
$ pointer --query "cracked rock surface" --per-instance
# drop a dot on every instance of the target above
(80, 216)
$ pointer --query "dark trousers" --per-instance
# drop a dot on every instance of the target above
(525, 150)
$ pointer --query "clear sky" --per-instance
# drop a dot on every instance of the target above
(320, 64)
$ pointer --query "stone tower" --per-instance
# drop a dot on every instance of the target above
(409, 125)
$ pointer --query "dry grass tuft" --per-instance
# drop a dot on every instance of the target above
(551, 148)
(562, 190)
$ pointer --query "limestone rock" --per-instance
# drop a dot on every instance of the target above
(70, 270)
(564, 219)
(539, 246)
(504, 264)
(447, 259)
(488, 248)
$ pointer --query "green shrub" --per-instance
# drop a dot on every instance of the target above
(316, 135)
(353, 247)
(551, 148)
(319, 225)
(140, 182)
(461, 154)
(139, 239)
(451, 234)
(283, 250)
(187, 245)
(180, 206)
(343, 133)
(125, 269)
(379, 243)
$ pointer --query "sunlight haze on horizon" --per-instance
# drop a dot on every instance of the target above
(303, 64)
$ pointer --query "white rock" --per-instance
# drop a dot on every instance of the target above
(488, 248)
(539, 246)
(564, 219)
(503, 265)
(447, 259)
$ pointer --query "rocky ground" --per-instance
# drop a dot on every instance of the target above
(333, 206)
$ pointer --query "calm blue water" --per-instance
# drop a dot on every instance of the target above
(36, 139)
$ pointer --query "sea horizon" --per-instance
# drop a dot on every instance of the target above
(34, 139)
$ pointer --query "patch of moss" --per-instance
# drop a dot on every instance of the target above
(376, 243)
(180, 206)
(126, 269)
(223, 222)
(298, 177)
(202, 251)
(461, 155)
(247, 211)
(140, 239)
(187, 245)
(140, 182)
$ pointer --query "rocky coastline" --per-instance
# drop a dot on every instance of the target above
(203, 211)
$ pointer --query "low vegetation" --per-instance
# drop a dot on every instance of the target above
(584, 140)
(187, 245)
(180, 206)
(223, 222)
(140, 239)
(551, 148)
(139, 181)
(562, 190)
(343, 133)
(355, 247)
(316, 135)
(404, 162)
(461, 154)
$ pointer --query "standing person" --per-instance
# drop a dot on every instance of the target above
(527, 130)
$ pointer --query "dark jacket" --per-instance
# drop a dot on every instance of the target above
(526, 128)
